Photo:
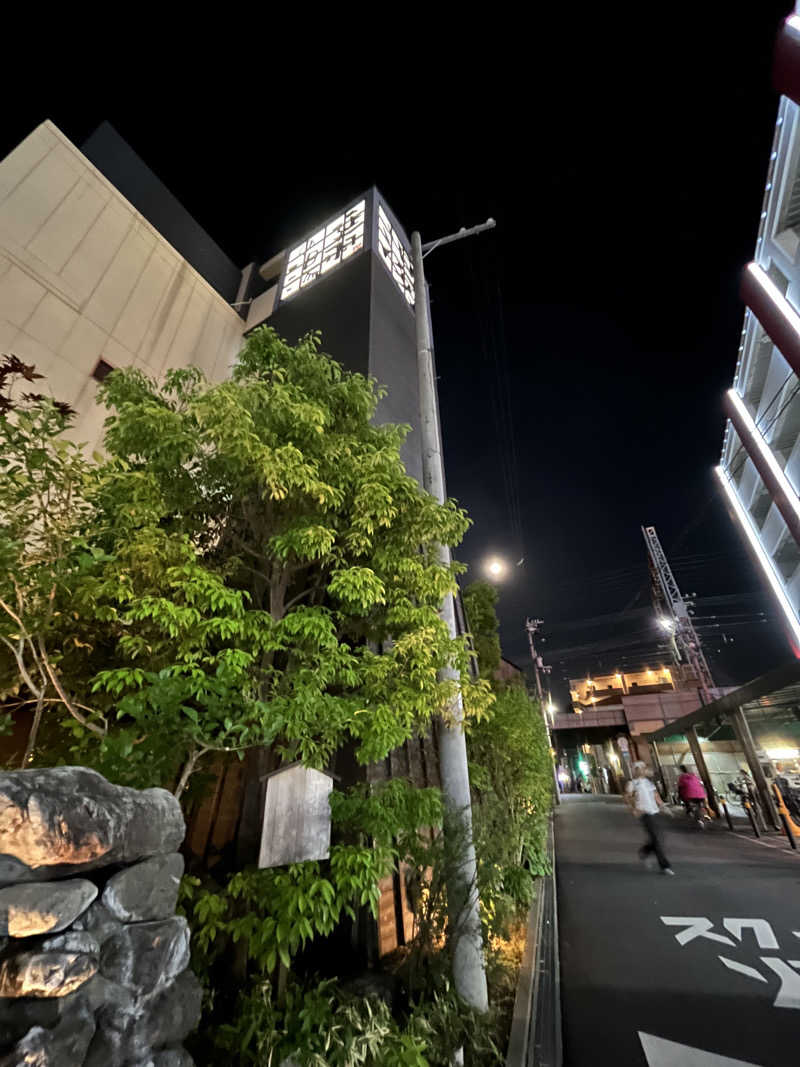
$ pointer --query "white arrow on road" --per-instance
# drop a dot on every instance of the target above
(663, 1053)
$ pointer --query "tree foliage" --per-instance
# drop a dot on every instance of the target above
(511, 777)
(45, 553)
(250, 564)
(480, 603)
(285, 561)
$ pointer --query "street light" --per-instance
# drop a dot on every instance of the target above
(496, 568)
(469, 973)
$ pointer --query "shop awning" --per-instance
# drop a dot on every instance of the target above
(782, 683)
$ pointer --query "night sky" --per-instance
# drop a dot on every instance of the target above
(583, 346)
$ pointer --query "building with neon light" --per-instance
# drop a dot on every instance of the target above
(759, 471)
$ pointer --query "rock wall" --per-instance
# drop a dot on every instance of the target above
(93, 960)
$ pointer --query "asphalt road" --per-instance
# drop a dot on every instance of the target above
(631, 993)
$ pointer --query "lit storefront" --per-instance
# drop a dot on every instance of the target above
(750, 733)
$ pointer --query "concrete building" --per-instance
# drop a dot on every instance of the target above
(760, 466)
(88, 284)
(101, 267)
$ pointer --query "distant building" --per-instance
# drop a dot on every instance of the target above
(589, 693)
(760, 466)
(611, 713)
(508, 671)
(633, 702)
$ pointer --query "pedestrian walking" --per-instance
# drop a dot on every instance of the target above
(643, 799)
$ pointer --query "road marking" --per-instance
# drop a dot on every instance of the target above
(698, 926)
(789, 993)
(742, 968)
(760, 927)
(662, 1053)
(788, 972)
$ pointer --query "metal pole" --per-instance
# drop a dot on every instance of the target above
(469, 975)
(788, 830)
(741, 728)
(700, 762)
(724, 806)
(788, 825)
(659, 767)
(748, 807)
(531, 627)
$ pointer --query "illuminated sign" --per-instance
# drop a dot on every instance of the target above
(397, 260)
(325, 249)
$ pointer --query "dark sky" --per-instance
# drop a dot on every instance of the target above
(583, 347)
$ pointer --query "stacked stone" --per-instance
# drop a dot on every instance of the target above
(93, 960)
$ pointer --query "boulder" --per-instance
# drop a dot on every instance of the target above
(43, 907)
(168, 1057)
(173, 1057)
(71, 941)
(19, 1014)
(39, 973)
(110, 998)
(108, 1048)
(146, 891)
(144, 956)
(158, 1023)
(59, 821)
(171, 1014)
(99, 922)
(66, 1043)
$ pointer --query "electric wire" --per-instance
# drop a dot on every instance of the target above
(495, 355)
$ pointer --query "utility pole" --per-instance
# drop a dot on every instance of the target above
(531, 626)
(469, 975)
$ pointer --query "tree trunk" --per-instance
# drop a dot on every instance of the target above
(37, 719)
(188, 771)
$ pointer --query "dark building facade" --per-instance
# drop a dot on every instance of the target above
(115, 159)
(352, 280)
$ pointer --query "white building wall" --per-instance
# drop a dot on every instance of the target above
(83, 276)
(764, 380)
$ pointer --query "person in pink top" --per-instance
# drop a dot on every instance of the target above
(691, 791)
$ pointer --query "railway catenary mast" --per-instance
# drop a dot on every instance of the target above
(675, 618)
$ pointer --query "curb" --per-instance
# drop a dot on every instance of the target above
(535, 1039)
(521, 1020)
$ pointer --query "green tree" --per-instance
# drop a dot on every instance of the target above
(511, 776)
(270, 568)
(44, 554)
(480, 603)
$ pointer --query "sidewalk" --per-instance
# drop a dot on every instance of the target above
(709, 959)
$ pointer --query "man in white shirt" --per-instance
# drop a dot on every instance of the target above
(643, 799)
